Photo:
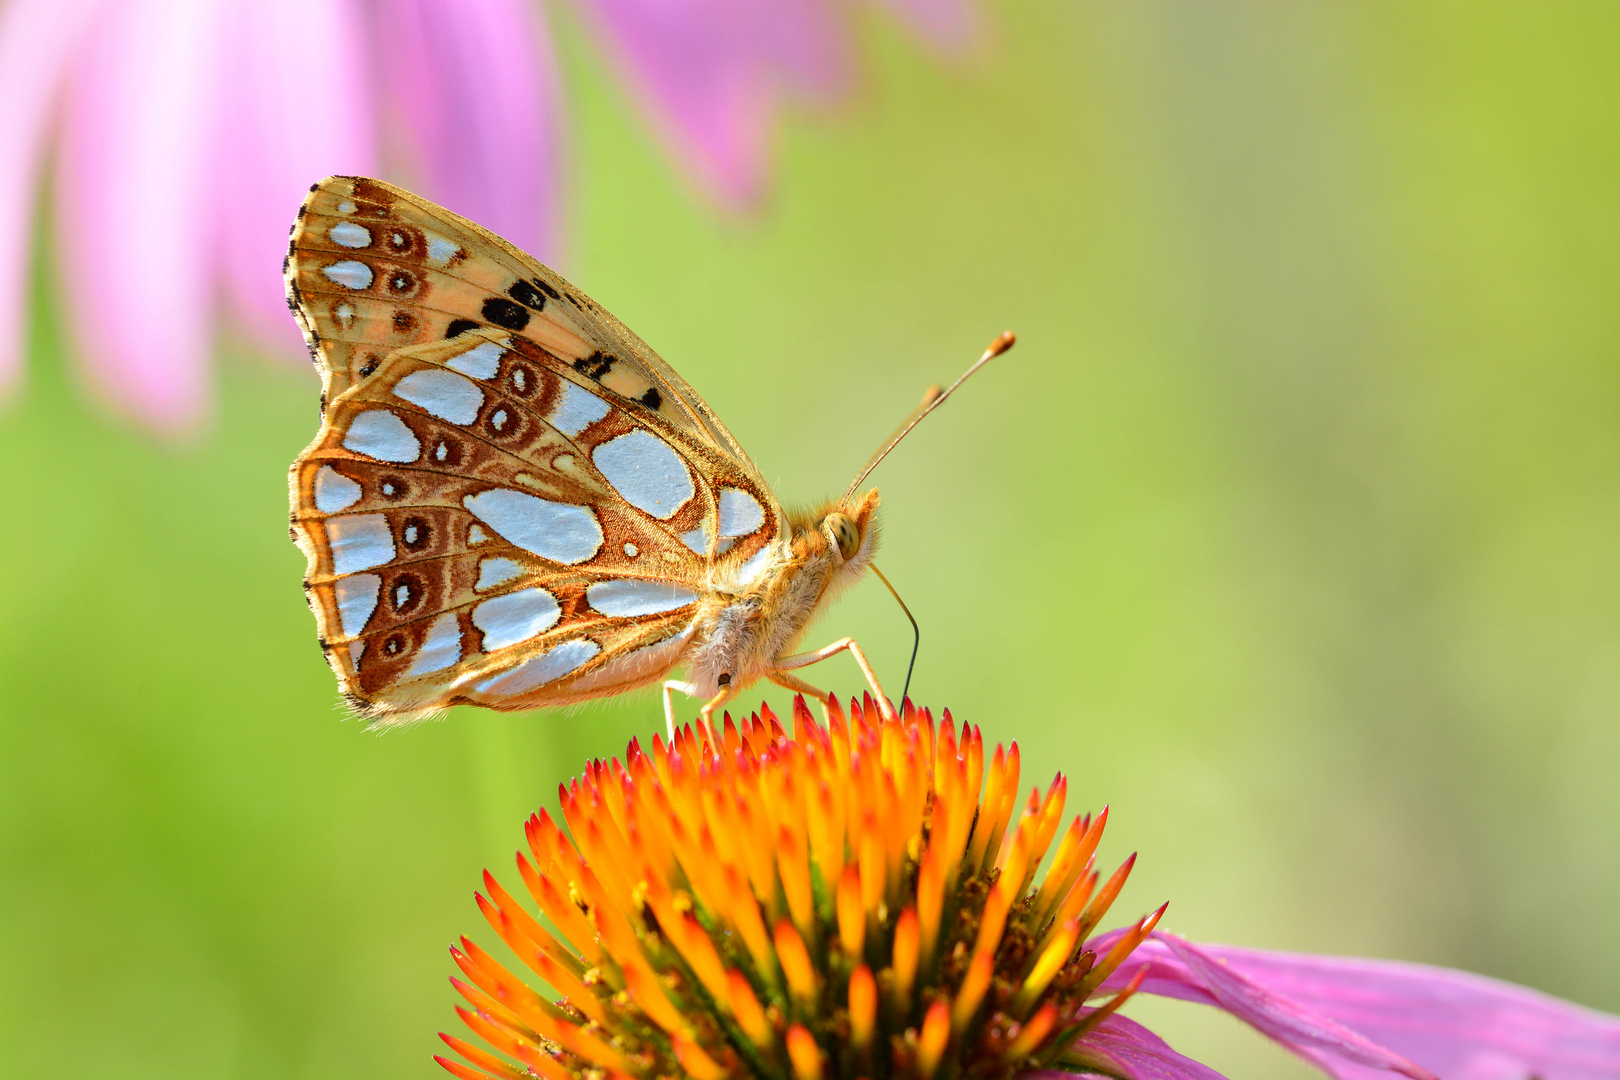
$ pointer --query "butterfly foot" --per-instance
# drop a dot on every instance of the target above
(671, 688)
(785, 664)
(707, 712)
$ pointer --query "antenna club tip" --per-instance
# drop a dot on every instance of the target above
(1006, 341)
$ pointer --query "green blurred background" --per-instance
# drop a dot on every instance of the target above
(1290, 529)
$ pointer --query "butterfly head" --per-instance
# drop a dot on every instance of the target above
(848, 532)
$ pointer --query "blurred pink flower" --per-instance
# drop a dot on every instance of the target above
(1357, 1019)
(186, 132)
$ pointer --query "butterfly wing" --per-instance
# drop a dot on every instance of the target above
(511, 501)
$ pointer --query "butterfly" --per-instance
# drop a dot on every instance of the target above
(513, 502)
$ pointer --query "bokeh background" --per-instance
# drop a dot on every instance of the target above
(1289, 529)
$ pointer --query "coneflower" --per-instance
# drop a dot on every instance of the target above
(857, 900)
(860, 900)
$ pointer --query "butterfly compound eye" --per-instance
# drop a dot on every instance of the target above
(842, 531)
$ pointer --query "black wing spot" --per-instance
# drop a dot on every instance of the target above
(404, 321)
(547, 289)
(526, 294)
(595, 365)
(458, 327)
(368, 367)
(652, 399)
(503, 312)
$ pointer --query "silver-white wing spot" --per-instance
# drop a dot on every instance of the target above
(746, 574)
(497, 570)
(562, 532)
(348, 234)
(443, 394)
(440, 251)
(334, 491)
(539, 670)
(628, 597)
(480, 361)
(378, 433)
(441, 648)
(576, 409)
(517, 616)
(740, 512)
(359, 542)
(647, 471)
(356, 598)
(350, 273)
(697, 539)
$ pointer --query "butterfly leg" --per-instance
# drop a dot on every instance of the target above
(670, 689)
(707, 712)
(799, 686)
(789, 663)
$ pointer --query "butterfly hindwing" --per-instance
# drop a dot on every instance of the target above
(496, 628)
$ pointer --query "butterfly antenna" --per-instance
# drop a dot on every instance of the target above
(916, 634)
(932, 399)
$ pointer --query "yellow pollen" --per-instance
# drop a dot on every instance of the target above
(936, 1031)
(796, 967)
(851, 916)
(862, 1006)
(905, 956)
(804, 1053)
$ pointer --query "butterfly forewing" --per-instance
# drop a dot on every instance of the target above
(506, 503)
(374, 268)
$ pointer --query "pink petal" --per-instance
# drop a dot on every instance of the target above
(473, 86)
(1357, 1018)
(136, 209)
(1455, 1023)
(1128, 1049)
(297, 107)
(37, 43)
(708, 72)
